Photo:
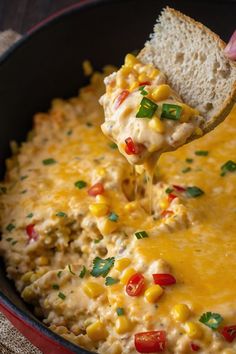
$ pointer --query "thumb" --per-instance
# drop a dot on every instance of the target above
(230, 49)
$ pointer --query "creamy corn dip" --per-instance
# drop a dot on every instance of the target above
(98, 268)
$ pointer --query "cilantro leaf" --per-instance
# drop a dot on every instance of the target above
(120, 311)
(48, 162)
(101, 267)
(83, 272)
(194, 192)
(111, 281)
(229, 166)
(211, 319)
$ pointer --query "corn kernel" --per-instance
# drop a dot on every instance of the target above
(26, 278)
(123, 325)
(98, 209)
(153, 293)
(87, 68)
(193, 330)
(101, 171)
(28, 294)
(131, 206)
(130, 60)
(164, 204)
(143, 77)
(108, 226)
(122, 263)
(93, 289)
(42, 261)
(125, 70)
(157, 125)
(97, 331)
(126, 275)
(101, 199)
(161, 92)
(134, 85)
(121, 82)
(154, 73)
(198, 131)
(180, 312)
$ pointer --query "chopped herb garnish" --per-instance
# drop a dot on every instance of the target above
(14, 242)
(61, 214)
(80, 184)
(98, 240)
(24, 191)
(30, 215)
(201, 152)
(147, 108)
(89, 124)
(113, 146)
(169, 190)
(229, 166)
(141, 234)
(113, 217)
(186, 169)
(49, 161)
(61, 296)
(120, 311)
(111, 281)
(59, 273)
(211, 319)
(171, 111)
(9, 239)
(70, 270)
(142, 91)
(10, 227)
(83, 272)
(69, 132)
(3, 190)
(23, 177)
(194, 192)
(101, 267)
(188, 160)
(55, 286)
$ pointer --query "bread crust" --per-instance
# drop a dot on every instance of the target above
(229, 102)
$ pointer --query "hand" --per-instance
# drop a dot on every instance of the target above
(230, 49)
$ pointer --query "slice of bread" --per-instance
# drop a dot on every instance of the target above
(192, 57)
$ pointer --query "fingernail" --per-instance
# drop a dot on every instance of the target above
(230, 49)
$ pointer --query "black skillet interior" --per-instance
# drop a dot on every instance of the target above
(47, 63)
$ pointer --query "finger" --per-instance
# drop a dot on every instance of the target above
(230, 49)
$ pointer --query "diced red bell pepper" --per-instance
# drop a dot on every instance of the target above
(132, 148)
(150, 342)
(122, 96)
(164, 279)
(194, 347)
(32, 234)
(171, 197)
(96, 189)
(179, 188)
(145, 83)
(165, 213)
(135, 285)
(229, 333)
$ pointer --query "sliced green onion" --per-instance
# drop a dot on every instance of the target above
(89, 124)
(70, 270)
(188, 160)
(83, 272)
(10, 227)
(211, 320)
(3, 190)
(55, 286)
(147, 108)
(59, 273)
(111, 281)
(80, 184)
(201, 152)
(69, 132)
(171, 111)
(14, 242)
(61, 214)
(141, 234)
(61, 295)
(229, 166)
(23, 177)
(49, 161)
(142, 91)
(30, 215)
(113, 217)
(113, 146)
(186, 169)
(169, 190)
(120, 311)
(194, 192)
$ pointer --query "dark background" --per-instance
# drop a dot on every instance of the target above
(21, 15)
